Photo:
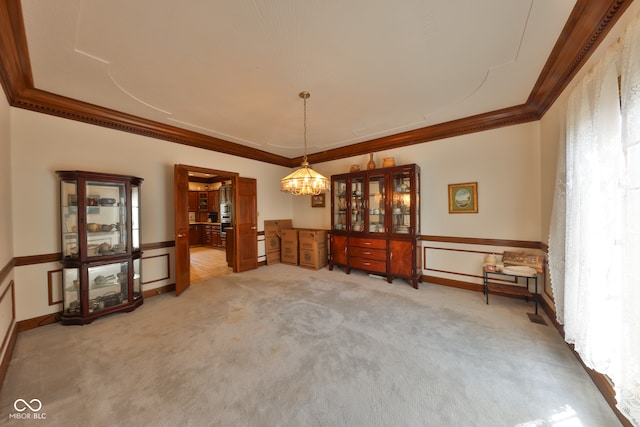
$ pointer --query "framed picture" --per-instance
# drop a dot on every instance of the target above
(318, 201)
(463, 198)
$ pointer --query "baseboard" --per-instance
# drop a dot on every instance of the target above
(453, 283)
(36, 322)
(159, 291)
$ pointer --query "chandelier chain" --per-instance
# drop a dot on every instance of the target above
(305, 128)
(304, 181)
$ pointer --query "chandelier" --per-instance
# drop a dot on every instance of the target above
(304, 181)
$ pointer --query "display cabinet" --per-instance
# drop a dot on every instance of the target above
(375, 222)
(100, 237)
(203, 201)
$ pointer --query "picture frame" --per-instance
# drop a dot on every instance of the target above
(463, 198)
(318, 201)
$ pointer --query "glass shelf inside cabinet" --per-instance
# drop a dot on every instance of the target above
(71, 285)
(340, 205)
(69, 217)
(357, 204)
(135, 216)
(106, 218)
(108, 285)
(401, 203)
(376, 204)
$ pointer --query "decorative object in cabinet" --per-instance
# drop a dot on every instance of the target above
(372, 163)
(375, 222)
(100, 230)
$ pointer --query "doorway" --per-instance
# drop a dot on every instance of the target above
(209, 212)
(199, 213)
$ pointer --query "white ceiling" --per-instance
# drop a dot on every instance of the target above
(233, 69)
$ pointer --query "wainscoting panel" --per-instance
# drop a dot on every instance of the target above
(54, 285)
(155, 268)
(8, 330)
(458, 261)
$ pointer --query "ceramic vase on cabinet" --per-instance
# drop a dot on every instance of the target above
(371, 164)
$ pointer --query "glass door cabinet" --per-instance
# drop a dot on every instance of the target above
(375, 223)
(100, 237)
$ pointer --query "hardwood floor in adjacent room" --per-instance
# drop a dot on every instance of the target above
(207, 263)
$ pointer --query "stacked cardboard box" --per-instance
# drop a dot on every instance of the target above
(272, 234)
(289, 246)
(313, 248)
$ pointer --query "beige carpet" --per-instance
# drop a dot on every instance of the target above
(285, 346)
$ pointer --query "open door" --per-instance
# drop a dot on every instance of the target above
(181, 209)
(246, 224)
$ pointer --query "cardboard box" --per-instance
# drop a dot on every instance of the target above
(273, 258)
(314, 258)
(272, 244)
(311, 239)
(289, 243)
(272, 231)
(313, 235)
(274, 227)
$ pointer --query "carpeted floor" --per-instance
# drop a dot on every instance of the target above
(285, 346)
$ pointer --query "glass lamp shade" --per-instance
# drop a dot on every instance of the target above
(304, 181)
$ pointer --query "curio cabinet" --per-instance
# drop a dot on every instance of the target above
(100, 237)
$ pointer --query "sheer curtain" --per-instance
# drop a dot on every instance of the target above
(594, 241)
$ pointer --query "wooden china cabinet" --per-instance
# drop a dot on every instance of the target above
(375, 222)
(100, 236)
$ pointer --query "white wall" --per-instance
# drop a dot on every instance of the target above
(6, 235)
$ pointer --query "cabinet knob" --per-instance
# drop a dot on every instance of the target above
(182, 235)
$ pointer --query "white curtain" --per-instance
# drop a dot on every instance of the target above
(594, 241)
(628, 382)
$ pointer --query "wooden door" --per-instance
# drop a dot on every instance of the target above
(193, 201)
(338, 251)
(214, 201)
(246, 224)
(400, 258)
(181, 208)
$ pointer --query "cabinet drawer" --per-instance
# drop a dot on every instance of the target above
(368, 253)
(368, 243)
(368, 264)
